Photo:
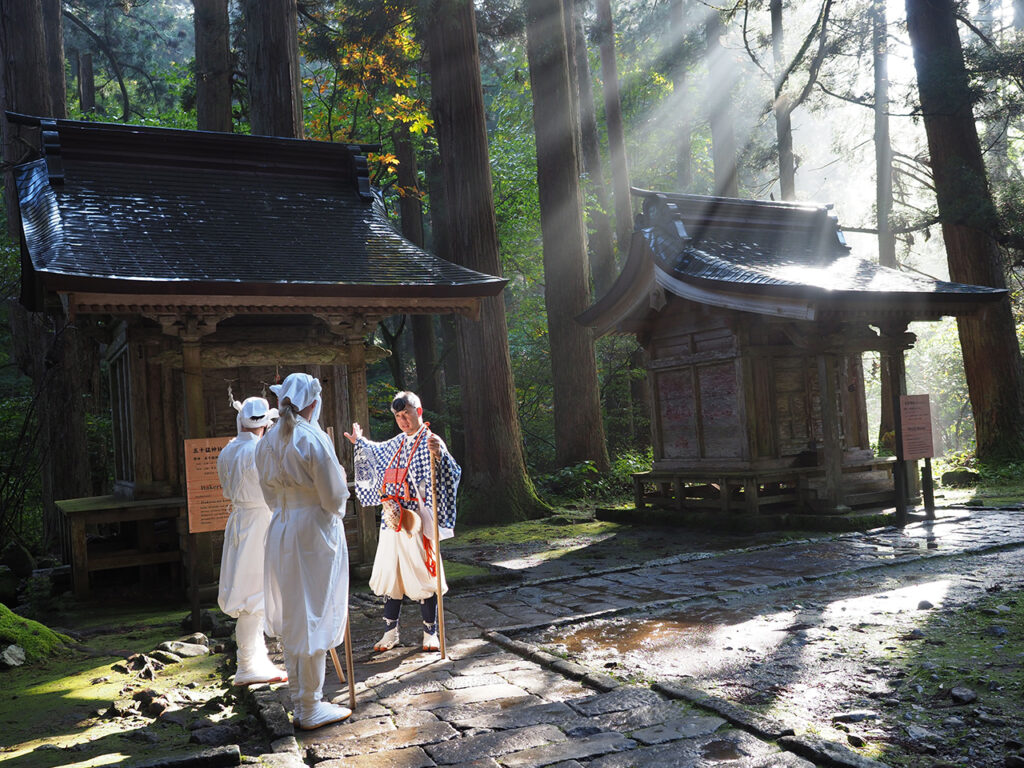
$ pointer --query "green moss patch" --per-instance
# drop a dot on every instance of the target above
(38, 640)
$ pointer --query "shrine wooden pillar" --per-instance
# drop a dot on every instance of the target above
(359, 407)
(832, 433)
(897, 341)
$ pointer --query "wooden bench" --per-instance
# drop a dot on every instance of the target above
(745, 490)
(93, 510)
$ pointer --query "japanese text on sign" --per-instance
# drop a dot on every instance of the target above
(207, 507)
(916, 435)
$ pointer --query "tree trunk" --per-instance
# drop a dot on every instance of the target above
(992, 358)
(53, 31)
(86, 83)
(48, 349)
(579, 434)
(783, 109)
(684, 126)
(883, 190)
(616, 132)
(603, 269)
(213, 65)
(410, 209)
(272, 53)
(723, 141)
(495, 484)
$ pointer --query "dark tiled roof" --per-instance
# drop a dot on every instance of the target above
(779, 249)
(776, 259)
(202, 212)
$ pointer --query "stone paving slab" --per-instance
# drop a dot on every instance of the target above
(494, 744)
(575, 749)
(550, 712)
(399, 738)
(615, 701)
(413, 757)
(446, 698)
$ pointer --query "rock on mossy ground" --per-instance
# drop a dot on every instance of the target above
(37, 640)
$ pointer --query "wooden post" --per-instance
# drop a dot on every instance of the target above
(928, 488)
(195, 424)
(437, 554)
(898, 386)
(831, 433)
(360, 409)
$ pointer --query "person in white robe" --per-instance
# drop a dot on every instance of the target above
(306, 567)
(396, 474)
(240, 592)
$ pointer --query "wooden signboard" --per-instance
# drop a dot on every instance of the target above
(207, 507)
(916, 435)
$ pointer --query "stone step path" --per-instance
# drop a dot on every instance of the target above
(498, 702)
(576, 597)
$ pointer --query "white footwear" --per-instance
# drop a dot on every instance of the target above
(431, 642)
(310, 711)
(260, 670)
(322, 713)
(253, 664)
(388, 640)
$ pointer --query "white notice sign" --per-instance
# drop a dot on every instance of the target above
(916, 417)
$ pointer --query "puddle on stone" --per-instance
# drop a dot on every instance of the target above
(721, 749)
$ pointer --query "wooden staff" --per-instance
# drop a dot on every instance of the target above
(350, 679)
(437, 554)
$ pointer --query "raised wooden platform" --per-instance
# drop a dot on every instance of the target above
(751, 490)
(93, 510)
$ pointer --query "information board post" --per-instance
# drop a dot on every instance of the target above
(918, 443)
(207, 508)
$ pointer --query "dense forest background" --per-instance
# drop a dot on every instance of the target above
(807, 100)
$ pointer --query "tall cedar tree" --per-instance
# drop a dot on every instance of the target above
(579, 434)
(272, 57)
(410, 209)
(883, 187)
(613, 122)
(721, 78)
(992, 358)
(603, 269)
(496, 487)
(47, 348)
(213, 65)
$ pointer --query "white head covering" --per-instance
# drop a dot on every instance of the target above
(301, 389)
(253, 412)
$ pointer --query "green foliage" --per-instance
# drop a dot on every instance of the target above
(141, 46)
(586, 481)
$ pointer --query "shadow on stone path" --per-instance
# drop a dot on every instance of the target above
(498, 701)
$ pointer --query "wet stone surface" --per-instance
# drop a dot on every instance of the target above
(811, 633)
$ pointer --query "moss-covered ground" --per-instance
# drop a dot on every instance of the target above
(55, 711)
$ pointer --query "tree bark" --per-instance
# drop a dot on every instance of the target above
(53, 32)
(272, 53)
(579, 434)
(616, 132)
(213, 65)
(992, 358)
(782, 108)
(410, 209)
(495, 484)
(723, 140)
(86, 83)
(883, 190)
(684, 126)
(603, 269)
(47, 348)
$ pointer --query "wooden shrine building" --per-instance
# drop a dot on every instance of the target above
(753, 317)
(203, 260)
